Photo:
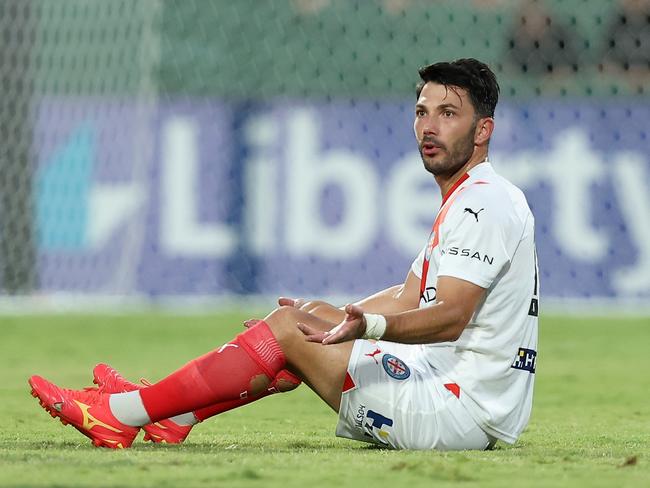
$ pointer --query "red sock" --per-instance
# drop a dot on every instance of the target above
(224, 374)
(284, 381)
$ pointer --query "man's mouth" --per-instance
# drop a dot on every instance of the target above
(430, 149)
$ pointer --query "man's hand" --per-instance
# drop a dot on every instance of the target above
(352, 327)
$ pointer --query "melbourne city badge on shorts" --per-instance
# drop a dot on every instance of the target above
(395, 367)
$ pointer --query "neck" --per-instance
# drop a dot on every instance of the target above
(445, 182)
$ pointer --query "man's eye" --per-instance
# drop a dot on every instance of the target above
(420, 113)
(448, 113)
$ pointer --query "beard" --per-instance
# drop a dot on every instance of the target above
(461, 151)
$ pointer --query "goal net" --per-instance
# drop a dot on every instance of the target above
(202, 149)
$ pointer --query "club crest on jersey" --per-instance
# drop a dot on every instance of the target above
(525, 360)
(395, 367)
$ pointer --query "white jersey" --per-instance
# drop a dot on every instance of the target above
(484, 234)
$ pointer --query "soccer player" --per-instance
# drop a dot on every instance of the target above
(445, 360)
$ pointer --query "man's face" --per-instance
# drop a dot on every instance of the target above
(445, 125)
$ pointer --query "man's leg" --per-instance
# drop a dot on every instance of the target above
(323, 368)
(176, 429)
(242, 368)
(284, 381)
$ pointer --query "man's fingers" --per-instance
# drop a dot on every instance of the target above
(251, 322)
(337, 335)
(340, 333)
(333, 338)
(305, 329)
(311, 334)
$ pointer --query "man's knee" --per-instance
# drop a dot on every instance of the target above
(283, 322)
(312, 305)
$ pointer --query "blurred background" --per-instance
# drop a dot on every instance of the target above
(159, 151)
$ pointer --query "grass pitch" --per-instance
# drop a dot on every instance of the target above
(590, 425)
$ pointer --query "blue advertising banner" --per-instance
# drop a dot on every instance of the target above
(206, 197)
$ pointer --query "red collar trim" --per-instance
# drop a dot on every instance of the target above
(460, 181)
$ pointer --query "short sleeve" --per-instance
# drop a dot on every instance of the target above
(474, 239)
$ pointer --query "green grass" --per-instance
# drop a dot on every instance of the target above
(590, 424)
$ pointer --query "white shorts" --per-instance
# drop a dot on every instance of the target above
(393, 397)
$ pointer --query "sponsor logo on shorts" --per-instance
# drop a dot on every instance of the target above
(395, 367)
(374, 354)
(525, 360)
(374, 426)
(360, 416)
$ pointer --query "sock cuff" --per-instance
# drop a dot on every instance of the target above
(263, 348)
(287, 376)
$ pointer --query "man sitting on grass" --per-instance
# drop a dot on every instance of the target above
(445, 360)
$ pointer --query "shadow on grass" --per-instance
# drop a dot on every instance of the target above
(230, 443)
(252, 445)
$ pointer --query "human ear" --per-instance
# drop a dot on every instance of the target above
(484, 129)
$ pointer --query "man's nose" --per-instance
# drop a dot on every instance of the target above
(429, 126)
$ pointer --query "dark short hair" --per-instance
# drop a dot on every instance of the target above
(470, 74)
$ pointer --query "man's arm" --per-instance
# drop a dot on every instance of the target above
(398, 298)
(445, 321)
(456, 302)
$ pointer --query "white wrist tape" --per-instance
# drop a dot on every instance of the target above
(375, 326)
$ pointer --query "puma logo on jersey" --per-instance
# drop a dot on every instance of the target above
(475, 214)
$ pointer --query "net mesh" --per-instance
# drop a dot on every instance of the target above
(153, 147)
